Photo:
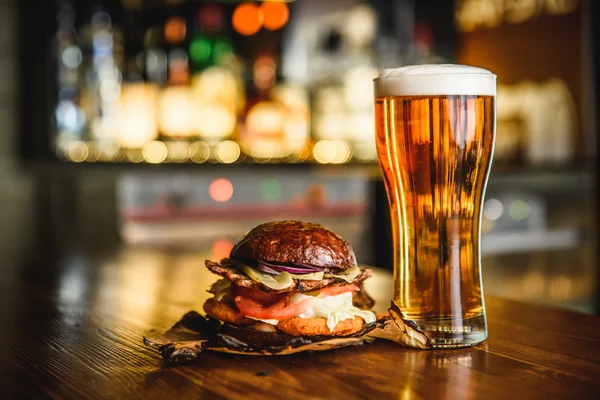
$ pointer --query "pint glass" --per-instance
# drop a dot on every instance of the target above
(435, 133)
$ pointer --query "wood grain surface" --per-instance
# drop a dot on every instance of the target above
(71, 328)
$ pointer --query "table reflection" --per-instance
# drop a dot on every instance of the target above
(149, 284)
(84, 315)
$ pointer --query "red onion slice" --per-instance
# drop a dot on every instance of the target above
(275, 268)
(262, 267)
(281, 268)
(292, 268)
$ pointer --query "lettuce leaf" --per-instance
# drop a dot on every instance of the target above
(220, 288)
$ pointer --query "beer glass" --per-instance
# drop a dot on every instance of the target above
(435, 133)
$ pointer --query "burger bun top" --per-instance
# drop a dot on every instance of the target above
(295, 242)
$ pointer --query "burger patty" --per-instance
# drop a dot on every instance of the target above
(226, 312)
(242, 280)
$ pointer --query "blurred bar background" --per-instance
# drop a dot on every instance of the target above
(181, 124)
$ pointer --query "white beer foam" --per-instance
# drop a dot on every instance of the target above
(435, 79)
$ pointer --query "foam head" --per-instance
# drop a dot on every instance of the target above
(435, 79)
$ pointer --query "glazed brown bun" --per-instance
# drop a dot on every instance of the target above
(295, 242)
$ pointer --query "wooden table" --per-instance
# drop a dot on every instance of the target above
(72, 326)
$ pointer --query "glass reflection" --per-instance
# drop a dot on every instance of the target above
(453, 369)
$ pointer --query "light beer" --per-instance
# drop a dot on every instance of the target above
(435, 131)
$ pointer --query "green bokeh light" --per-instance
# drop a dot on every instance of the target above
(221, 49)
(200, 50)
(270, 189)
(519, 210)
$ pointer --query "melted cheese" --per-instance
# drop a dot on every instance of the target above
(334, 308)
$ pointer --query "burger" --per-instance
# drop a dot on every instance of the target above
(289, 279)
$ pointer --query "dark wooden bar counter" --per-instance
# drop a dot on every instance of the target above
(71, 327)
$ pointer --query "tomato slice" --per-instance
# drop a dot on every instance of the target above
(335, 290)
(255, 303)
(257, 295)
(278, 311)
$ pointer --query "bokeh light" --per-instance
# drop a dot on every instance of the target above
(72, 57)
(154, 152)
(178, 67)
(200, 50)
(247, 19)
(270, 189)
(222, 49)
(266, 118)
(332, 152)
(265, 150)
(156, 65)
(220, 190)
(214, 122)
(136, 114)
(518, 210)
(69, 117)
(228, 152)
(360, 27)
(324, 151)
(211, 17)
(135, 156)
(177, 151)
(221, 249)
(93, 152)
(110, 90)
(264, 72)
(343, 152)
(218, 86)
(493, 209)
(275, 14)
(175, 30)
(199, 152)
(108, 151)
(175, 111)
(77, 151)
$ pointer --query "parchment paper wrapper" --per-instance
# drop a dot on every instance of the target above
(195, 334)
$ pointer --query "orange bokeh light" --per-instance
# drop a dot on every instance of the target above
(275, 14)
(247, 19)
(175, 30)
(264, 72)
(221, 249)
(220, 190)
